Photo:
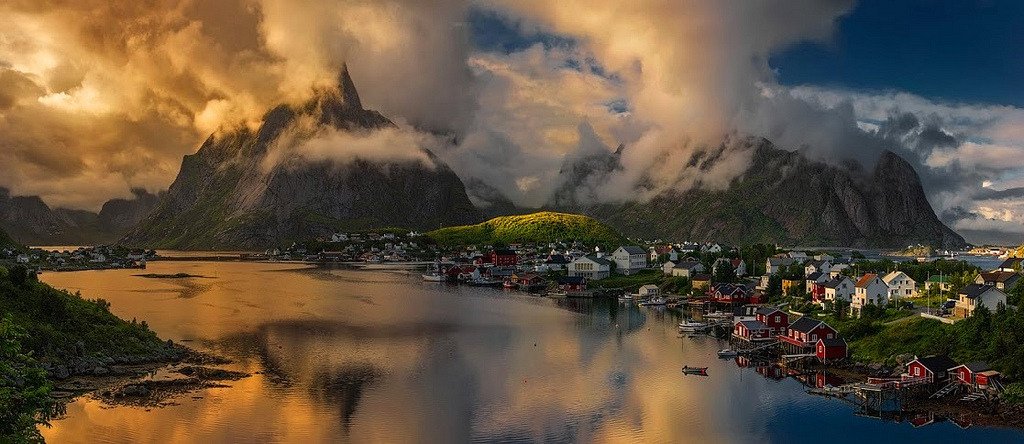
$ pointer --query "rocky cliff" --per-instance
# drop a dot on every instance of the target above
(226, 195)
(783, 198)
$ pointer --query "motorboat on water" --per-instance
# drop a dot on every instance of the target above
(692, 326)
(701, 371)
(435, 276)
(652, 301)
(727, 353)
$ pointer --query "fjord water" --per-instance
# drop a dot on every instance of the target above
(375, 356)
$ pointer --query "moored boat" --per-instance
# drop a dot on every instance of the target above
(702, 371)
(692, 326)
(652, 301)
(727, 353)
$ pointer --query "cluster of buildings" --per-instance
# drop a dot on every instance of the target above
(359, 247)
(805, 336)
(81, 258)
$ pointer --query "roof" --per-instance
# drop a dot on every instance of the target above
(833, 342)
(598, 260)
(804, 324)
(936, 364)
(975, 367)
(972, 291)
(834, 283)
(649, 286)
(865, 280)
(702, 277)
(736, 262)
(893, 275)
(664, 249)
(1013, 263)
(815, 276)
(781, 261)
(999, 276)
(815, 263)
(633, 249)
(752, 324)
(766, 310)
(689, 265)
(557, 259)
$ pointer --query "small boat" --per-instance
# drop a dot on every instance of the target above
(626, 297)
(701, 371)
(434, 277)
(691, 326)
(727, 353)
(509, 285)
(652, 301)
(482, 282)
(719, 315)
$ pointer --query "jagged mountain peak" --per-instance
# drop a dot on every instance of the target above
(347, 88)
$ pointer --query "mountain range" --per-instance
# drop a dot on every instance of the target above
(253, 188)
(31, 221)
(783, 197)
(233, 193)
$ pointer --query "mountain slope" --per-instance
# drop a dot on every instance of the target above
(787, 198)
(226, 196)
(539, 227)
(30, 221)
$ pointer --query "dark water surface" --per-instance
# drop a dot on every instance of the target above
(358, 356)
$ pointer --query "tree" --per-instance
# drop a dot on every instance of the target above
(25, 400)
(774, 287)
(724, 273)
(19, 275)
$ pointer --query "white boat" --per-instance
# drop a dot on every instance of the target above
(727, 353)
(652, 301)
(434, 277)
(719, 315)
(692, 326)
(626, 297)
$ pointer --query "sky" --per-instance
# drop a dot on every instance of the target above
(99, 96)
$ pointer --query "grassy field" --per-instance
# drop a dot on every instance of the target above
(537, 227)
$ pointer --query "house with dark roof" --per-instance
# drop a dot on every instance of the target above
(629, 259)
(802, 334)
(751, 330)
(572, 284)
(930, 368)
(592, 267)
(776, 320)
(773, 264)
(1003, 280)
(829, 350)
(1013, 264)
(973, 296)
(968, 373)
(839, 288)
(817, 266)
(726, 293)
(687, 268)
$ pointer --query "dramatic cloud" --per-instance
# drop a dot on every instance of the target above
(99, 96)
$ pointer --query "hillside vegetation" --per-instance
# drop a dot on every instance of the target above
(537, 227)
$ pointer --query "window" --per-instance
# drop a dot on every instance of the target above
(778, 318)
(917, 371)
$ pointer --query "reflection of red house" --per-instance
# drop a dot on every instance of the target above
(772, 372)
(776, 320)
(752, 330)
(502, 258)
(830, 349)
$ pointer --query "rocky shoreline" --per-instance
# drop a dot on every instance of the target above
(152, 380)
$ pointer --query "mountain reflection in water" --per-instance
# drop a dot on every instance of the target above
(359, 356)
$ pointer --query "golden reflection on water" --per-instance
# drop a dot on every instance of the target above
(382, 357)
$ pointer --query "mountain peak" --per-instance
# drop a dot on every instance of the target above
(347, 88)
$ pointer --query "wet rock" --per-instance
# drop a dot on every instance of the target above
(134, 390)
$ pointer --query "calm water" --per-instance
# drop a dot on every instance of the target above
(356, 356)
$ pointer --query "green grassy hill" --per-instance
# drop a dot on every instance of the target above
(6, 241)
(537, 227)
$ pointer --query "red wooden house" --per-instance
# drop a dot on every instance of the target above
(752, 331)
(502, 258)
(570, 284)
(975, 374)
(776, 320)
(805, 332)
(833, 349)
(730, 294)
(930, 368)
